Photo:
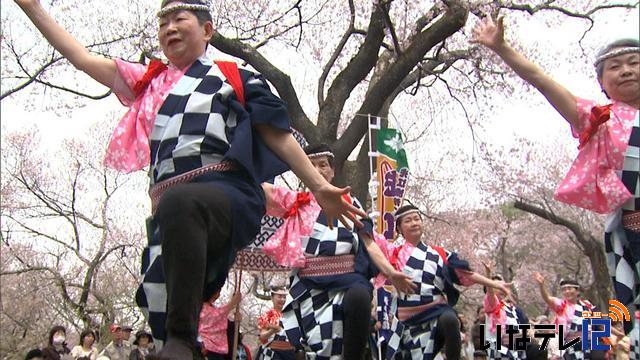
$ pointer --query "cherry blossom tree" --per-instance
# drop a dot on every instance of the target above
(377, 54)
(69, 248)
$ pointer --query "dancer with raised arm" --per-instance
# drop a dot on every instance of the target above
(605, 176)
(211, 134)
(425, 322)
(568, 313)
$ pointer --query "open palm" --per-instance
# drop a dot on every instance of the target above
(488, 33)
(334, 206)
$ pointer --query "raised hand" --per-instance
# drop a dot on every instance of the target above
(488, 268)
(330, 199)
(538, 278)
(488, 33)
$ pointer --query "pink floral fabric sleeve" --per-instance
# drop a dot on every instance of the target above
(493, 308)
(212, 328)
(564, 311)
(299, 211)
(387, 249)
(128, 149)
(584, 107)
(592, 182)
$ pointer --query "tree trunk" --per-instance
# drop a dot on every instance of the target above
(599, 292)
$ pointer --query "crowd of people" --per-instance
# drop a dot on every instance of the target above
(122, 346)
(213, 135)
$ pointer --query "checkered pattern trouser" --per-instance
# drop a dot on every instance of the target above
(572, 354)
(412, 342)
(265, 353)
(314, 323)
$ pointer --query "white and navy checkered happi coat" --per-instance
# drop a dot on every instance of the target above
(504, 353)
(575, 352)
(312, 317)
(623, 269)
(196, 126)
(427, 270)
(265, 353)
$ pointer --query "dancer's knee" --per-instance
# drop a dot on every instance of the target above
(357, 300)
(449, 323)
(175, 202)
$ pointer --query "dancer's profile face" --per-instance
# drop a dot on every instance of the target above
(324, 167)
(621, 78)
(499, 293)
(182, 38)
(411, 227)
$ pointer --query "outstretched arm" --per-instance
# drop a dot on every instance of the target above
(491, 284)
(329, 197)
(491, 35)
(101, 69)
(402, 282)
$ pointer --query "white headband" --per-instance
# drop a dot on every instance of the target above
(408, 212)
(570, 285)
(182, 6)
(616, 52)
(324, 153)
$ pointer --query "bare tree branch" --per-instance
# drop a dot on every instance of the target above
(387, 19)
(24, 270)
(277, 77)
(343, 41)
(449, 23)
(358, 68)
(548, 6)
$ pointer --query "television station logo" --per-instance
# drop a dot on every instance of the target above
(595, 326)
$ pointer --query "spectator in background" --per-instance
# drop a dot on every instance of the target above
(476, 328)
(118, 348)
(34, 354)
(57, 348)
(86, 350)
(466, 352)
(215, 330)
(143, 346)
(126, 335)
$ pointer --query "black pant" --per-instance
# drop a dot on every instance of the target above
(448, 335)
(195, 228)
(357, 313)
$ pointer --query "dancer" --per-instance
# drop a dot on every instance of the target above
(327, 312)
(425, 322)
(501, 311)
(211, 134)
(273, 339)
(605, 177)
(568, 313)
